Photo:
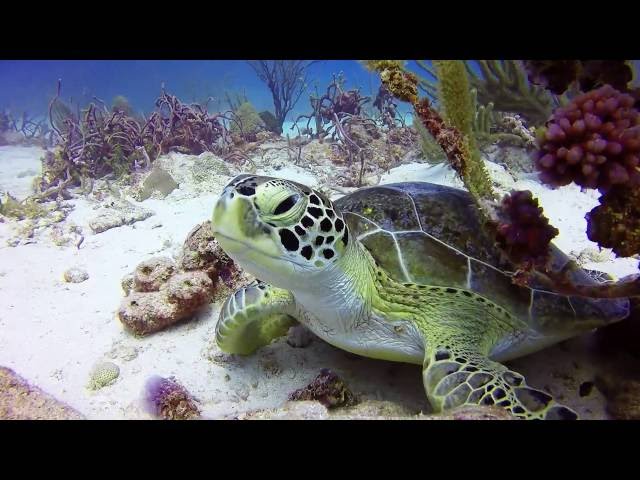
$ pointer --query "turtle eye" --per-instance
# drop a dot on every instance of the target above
(287, 204)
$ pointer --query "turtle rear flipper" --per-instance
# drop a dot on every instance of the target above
(252, 317)
(459, 376)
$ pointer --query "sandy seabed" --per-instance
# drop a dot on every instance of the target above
(53, 332)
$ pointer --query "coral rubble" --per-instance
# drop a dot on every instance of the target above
(21, 401)
(327, 388)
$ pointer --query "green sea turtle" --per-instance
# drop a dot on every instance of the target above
(399, 272)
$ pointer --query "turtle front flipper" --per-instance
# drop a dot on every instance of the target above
(455, 374)
(253, 316)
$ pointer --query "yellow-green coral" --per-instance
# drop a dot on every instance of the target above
(431, 151)
(455, 96)
(248, 118)
(10, 207)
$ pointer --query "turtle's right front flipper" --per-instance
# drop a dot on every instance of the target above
(252, 317)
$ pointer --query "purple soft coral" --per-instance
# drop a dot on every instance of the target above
(167, 399)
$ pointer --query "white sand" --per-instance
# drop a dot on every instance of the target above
(52, 332)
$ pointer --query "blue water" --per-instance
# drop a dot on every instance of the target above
(29, 85)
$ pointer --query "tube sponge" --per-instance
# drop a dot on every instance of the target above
(594, 141)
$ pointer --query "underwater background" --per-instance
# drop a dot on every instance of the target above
(110, 171)
(29, 85)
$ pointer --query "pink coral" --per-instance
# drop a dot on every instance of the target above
(594, 141)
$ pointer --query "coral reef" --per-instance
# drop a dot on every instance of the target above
(117, 213)
(558, 76)
(166, 399)
(161, 292)
(21, 401)
(504, 84)
(327, 388)
(177, 299)
(246, 122)
(75, 275)
(99, 141)
(286, 80)
(202, 252)
(270, 121)
(523, 232)
(102, 375)
(151, 274)
(455, 97)
(594, 141)
(615, 223)
(158, 180)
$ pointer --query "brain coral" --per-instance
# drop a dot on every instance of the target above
(103, 374)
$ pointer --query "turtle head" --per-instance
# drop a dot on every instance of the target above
(280, 231)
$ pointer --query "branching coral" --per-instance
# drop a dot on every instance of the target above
(504, 83)
(594, 142)
(286, 80)
(98, 141)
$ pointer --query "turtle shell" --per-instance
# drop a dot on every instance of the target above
(431, 234)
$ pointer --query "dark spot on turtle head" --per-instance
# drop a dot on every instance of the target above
(452, 290)
(314, 199)
(504, 403)
(307, 221)
(289, 240)
(330, 239)
(517, 409)
(487, 401)
(315, 211)
(246, 190)
(471, 369)
(328, 253)
(306, 252)
(339, 225)
(345, 237)
(319, 240)
(261, 287)
(466, 293)
(325, 225)
(329, 213)
(300, 231)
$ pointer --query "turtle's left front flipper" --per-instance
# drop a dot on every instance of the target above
(455, 373)
(254, 316)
